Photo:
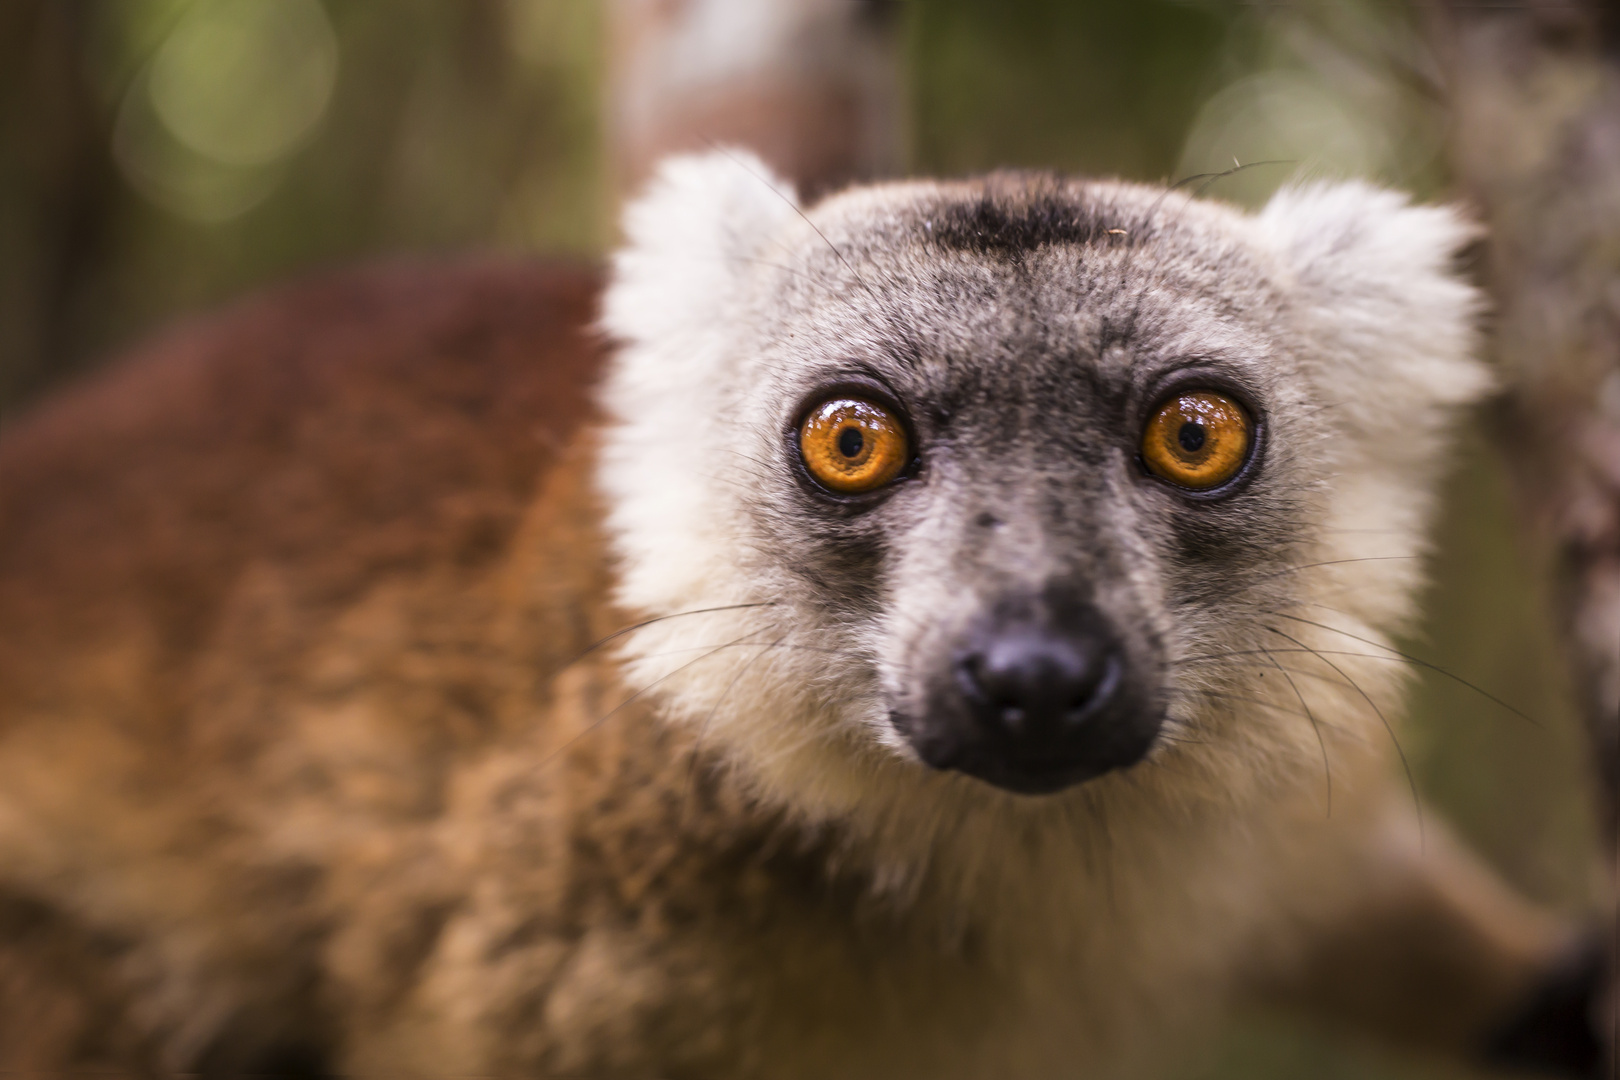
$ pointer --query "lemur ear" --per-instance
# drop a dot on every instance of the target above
(1392, 321)
(691, 243)
(688, 239)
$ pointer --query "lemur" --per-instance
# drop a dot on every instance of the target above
(941, 631)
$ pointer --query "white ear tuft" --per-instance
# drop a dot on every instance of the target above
(687, 239)
(1388, 329)
(1394, 322)
(676, 303)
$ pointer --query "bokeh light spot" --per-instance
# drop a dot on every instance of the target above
(245, 82)
(1285, 118)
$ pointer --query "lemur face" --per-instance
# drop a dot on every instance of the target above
(1040, 556)
(1031, 474)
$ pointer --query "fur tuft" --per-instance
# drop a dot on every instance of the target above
(1392, 333)
(688, 240)
(1392, 320)
(692, 241)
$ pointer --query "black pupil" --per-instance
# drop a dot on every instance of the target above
(850, 442)
(1191, 436)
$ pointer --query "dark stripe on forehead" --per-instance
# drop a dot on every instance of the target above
(1017, 213)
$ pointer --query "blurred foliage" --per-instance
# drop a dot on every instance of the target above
(1520, 788)
(1100, 88)
(159, 156)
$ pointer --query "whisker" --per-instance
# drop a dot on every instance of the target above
(1148, 223)
(1330, 562)
(600, 720)
(1207, 657)
(1419, 661)
(1406, 766)
(813, 278)
(750, 457)
(703, 728)
(1210, 177)
(663, 618)
(1270, 664)
(1327, 770)
(1261, 703)
(1171, 742)
(895, 324)
(742, 643)
(724, 260)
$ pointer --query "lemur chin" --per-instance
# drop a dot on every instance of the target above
(947, 634)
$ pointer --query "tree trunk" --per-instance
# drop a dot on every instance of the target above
(812, 86)
(57, 191)
(1535, 98)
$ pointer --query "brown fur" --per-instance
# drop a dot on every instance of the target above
(182, 538)
(307, 760)
(289, 599)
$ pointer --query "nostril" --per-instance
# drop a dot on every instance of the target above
(1100, 690)
(968, 671)
(992, 693)
(1020, 681)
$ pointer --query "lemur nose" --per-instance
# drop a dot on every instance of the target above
(1039, 693)
(1030, 680)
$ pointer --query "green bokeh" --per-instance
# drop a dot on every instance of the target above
(1104, 88)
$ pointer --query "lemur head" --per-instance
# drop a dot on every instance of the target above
(1027, 478)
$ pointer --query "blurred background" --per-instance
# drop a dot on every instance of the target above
(159, 157)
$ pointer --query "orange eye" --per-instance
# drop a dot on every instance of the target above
(1198, 440)
(852, 445)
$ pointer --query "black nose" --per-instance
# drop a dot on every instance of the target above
(1028, 679)
(1040, 693)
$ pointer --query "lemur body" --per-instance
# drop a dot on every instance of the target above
(324, 744)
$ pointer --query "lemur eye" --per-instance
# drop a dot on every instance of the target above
(851, 445)
(1197, 440)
